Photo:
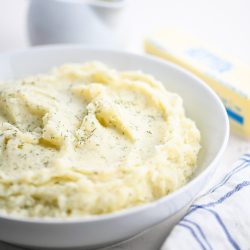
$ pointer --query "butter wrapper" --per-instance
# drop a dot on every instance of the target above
(229, 78)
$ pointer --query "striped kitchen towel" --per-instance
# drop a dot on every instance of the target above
(219, 218)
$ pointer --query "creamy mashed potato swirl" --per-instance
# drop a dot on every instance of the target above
(89, 140)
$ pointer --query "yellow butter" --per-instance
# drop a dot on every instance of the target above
(228, 77)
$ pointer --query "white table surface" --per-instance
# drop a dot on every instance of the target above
(223, 23)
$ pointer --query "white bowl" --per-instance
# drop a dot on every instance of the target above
(201, 104)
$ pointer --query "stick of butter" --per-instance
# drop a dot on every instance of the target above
(229, 78)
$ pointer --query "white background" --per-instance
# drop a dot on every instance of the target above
(223, 23)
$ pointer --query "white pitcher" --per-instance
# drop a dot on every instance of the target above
(93, 22)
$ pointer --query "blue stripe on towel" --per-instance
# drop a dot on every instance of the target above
(242, 166)
(236, 189)
(219, 220)
(194, 235)
(245, 159)
(247, 155)
(195, 228)
(200, 231)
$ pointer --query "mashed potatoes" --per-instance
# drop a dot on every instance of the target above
(89, 140)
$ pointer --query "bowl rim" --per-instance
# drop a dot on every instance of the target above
(139, 208)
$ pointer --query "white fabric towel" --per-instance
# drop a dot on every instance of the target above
(220, 218)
